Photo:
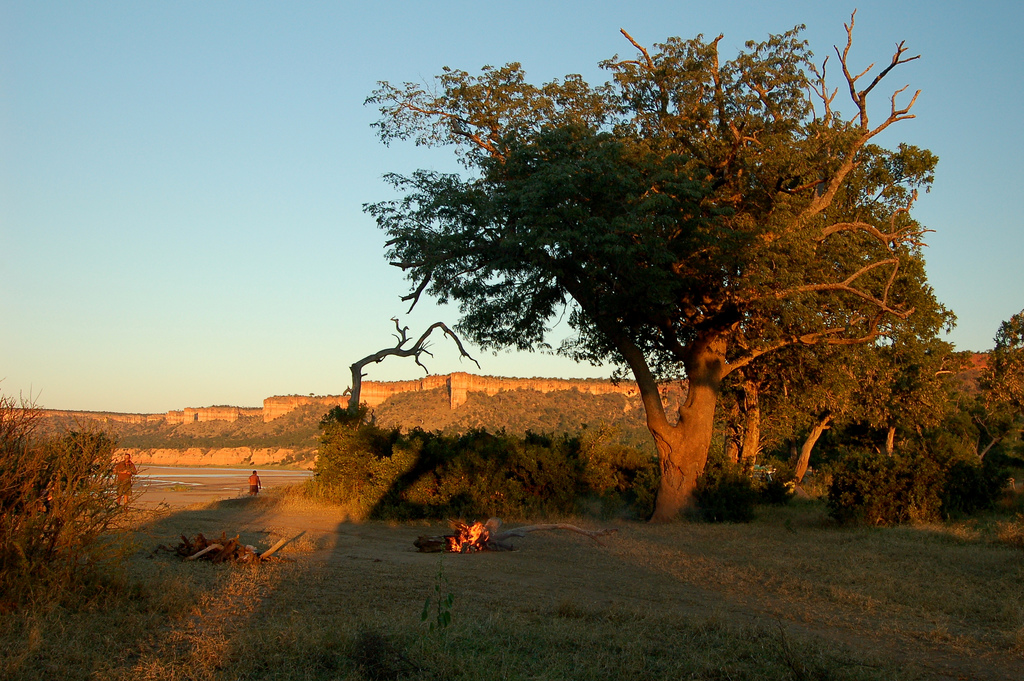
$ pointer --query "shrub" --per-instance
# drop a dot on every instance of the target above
(725, 494)
(778, 488)
(970, 487)
(384, 473)
(881, 489)
(56, 506)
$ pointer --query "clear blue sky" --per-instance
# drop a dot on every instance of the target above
(181, 183)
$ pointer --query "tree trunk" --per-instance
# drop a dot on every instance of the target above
(990, 445)
(751, 424)
(732, 449)
(357, 384)
(804, 459)
(733, 433)
(683, 447)
(890, 440)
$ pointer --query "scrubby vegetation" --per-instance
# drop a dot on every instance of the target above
(57, 508)
(519, 412)
(389, 473)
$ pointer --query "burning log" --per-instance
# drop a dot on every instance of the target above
(470, 538)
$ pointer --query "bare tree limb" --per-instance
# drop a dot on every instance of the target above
(860, 98)
(416, 350)
(643, 51)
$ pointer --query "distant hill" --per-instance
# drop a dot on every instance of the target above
(297, 432)
(518, 411)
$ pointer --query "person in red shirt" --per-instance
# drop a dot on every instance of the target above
(254, 484)
(124, 471)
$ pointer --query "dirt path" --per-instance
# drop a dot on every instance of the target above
(682, 570)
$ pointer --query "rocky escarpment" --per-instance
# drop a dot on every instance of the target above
(458, 385)
(284, 431)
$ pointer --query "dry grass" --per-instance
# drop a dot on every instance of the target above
(789, 596)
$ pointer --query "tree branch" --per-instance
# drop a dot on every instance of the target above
(415, 351)
(824, 199)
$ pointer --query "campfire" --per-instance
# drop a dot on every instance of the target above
(470, 538)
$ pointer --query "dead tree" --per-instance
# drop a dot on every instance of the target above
(400, 350)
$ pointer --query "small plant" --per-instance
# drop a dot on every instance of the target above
(443, 615)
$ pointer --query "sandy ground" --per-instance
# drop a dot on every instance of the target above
(178, 487)
(660, 570)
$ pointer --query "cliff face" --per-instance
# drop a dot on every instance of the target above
(198, 414)
(458, 386)
(274, 407)
(102, 416)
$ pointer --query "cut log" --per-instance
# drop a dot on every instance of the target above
(226, 553)
(523, 531)
(494, 538)
(277, 547)
(208, 549)
(430, 544)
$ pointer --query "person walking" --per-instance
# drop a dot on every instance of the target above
(124, 471)
(254, 484)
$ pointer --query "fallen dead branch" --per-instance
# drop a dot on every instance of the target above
(222, 549)
(490, 537)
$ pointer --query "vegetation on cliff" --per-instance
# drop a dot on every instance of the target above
(295, 430)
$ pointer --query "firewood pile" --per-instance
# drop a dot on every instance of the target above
(222, 549)
(489, 536)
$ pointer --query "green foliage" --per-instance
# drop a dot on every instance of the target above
(776, 491)
(57, 506)
(691, 215)
(295, 430)
(880, 489)
(970, 488)
(443, 601)
(1004, 379)
(519, 411)
(385, 473)
(725, 494)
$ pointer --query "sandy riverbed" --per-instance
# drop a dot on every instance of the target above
(181, 486)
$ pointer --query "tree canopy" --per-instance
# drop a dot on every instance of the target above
(687, 217)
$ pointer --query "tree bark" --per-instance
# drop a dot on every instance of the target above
(990, 445)
(804, 459)
(683, 447)
(890, 440)
(751, 424)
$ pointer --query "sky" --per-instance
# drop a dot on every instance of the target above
(181, 184)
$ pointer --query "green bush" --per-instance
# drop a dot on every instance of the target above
(385, 473)
(881, 489)
(970, 488)
(725, 494)
(57, 507)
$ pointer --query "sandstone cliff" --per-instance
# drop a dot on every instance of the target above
(458, 385)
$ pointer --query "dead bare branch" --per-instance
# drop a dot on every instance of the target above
(416, 350)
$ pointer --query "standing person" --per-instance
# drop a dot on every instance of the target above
(124, 471)
(254, 484)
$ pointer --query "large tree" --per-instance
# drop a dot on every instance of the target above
(1002, 385)
(687, 217)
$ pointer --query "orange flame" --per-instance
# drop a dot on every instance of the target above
(468, 538)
